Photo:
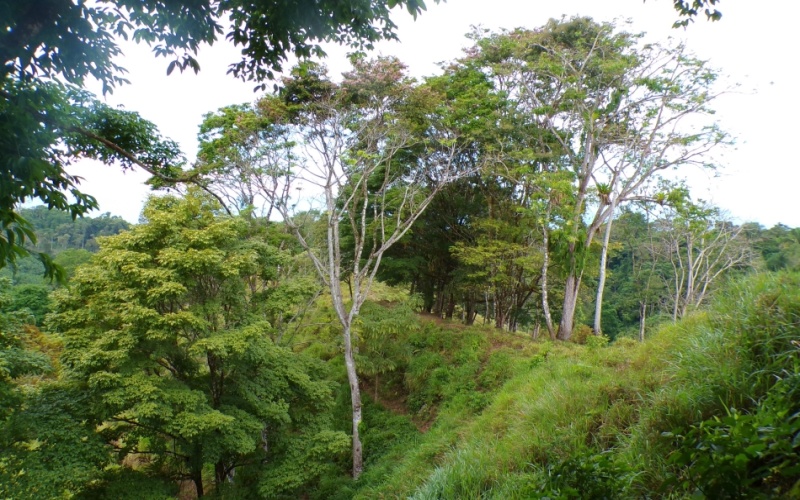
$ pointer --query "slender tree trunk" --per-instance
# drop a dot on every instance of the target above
(642, 319)
(675, 308)
(570, 303)
(355, 401)
(428, 297)
(486, 313)
(440, 295)
(499, 312)
(598, 305)
(678, 274)
(548, 319)
(690, 274)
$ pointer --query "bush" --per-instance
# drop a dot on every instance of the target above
(625, 342)
(744, 455)
(580, 333)
(595, 341)
(591, 476)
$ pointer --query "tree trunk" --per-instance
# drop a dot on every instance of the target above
(499, 312)
(451, 306)
(570, 303)
(548, 319)
(486, 313)
(355, 401)
(690, 273)
(598, 305)
(428, 297)
(471, 310)
(438, 308)
(197, 479)
(220, 474)
(642, 318)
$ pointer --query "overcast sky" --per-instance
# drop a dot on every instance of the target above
(753, 45)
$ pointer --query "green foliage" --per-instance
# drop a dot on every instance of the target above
(750, 450)
(445, 370)
(382, 334)
(31, 298)
(583, 422)
(16, 360)
(585, 476)
(50, 446)
(45, 125)
(123, 483)
(384, 431)
(688, 10)
(779, 246)
(744, 454)
(596, 341)
(77, 41)
(69, 242)
(162, 333)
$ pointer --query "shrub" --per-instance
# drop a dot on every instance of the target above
(581, 333)
(595, 341)
(585, 476)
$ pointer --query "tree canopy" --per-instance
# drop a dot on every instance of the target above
(163, 337)
(49, 47)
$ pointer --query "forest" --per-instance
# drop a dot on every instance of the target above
(493, 282)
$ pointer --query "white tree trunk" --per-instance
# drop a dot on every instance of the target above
(570, 303)
(642, 319)
(355, 402)
(598, 305)
(548, 319)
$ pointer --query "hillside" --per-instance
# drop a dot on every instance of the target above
(707, 407)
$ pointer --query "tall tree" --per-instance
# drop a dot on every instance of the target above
(619, 113)
(375, 150)
(47, 41)
(701, 246)
(163, 335)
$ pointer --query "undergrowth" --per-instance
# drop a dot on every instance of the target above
(706, 408)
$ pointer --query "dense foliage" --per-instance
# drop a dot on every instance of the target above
(48, 49)
(167, 345)
(245, 335)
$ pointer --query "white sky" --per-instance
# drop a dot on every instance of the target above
(753, 45)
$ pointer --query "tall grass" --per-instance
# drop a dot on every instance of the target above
(570, 421)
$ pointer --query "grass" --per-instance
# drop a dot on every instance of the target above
(512, 418)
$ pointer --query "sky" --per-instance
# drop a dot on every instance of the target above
(753, 47)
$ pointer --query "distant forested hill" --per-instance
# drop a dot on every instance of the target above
(70, 242)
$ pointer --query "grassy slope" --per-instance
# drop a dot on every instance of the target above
(517, 419)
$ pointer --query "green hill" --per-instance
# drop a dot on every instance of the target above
(707, 408)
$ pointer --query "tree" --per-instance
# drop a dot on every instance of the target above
(701, 247)
(15, 360)
(163, 335)
(423, 258)
(376, 150)
(47, 41)
(688, 10)
(779, 246)
(44, 127)
(617, 114)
